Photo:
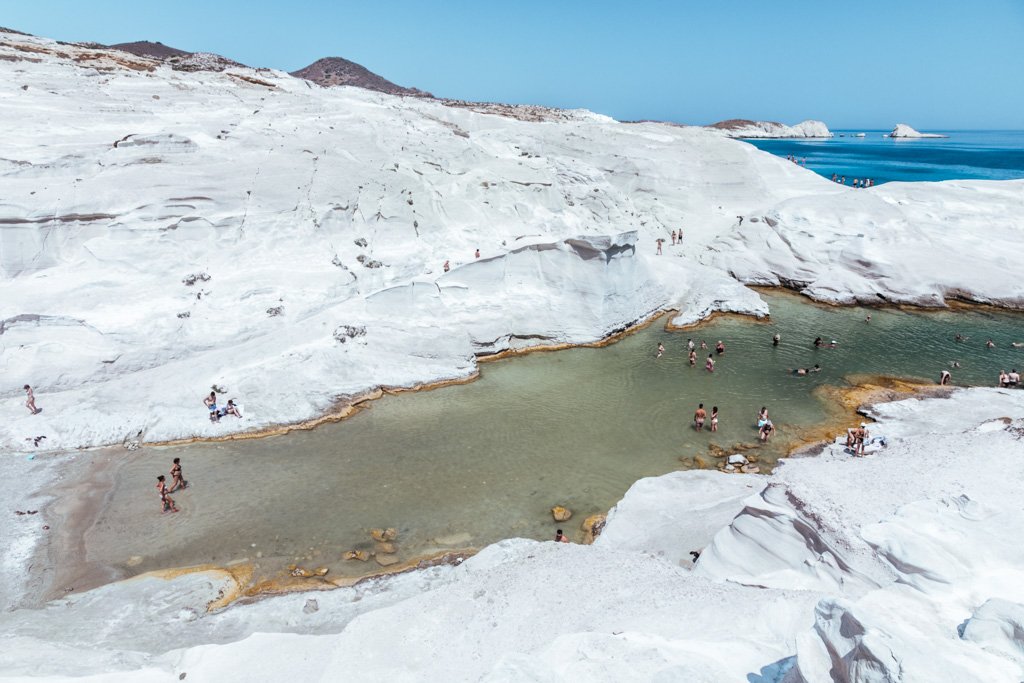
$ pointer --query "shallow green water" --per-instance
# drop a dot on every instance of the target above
(468, 465)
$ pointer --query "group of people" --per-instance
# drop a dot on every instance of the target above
(217, 412)
(677, 238)
(1009, 380)
(701, 415)
(799, 162)
(177, 482)
(857, 182)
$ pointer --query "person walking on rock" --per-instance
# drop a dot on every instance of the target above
(30, 403)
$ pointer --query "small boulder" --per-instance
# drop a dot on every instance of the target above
(310, 606)
(750, 469)
(386, 560)
(321, 571)
(561, 514)
(593, 526)
(737, 459)
(360, 555)
(382, 535)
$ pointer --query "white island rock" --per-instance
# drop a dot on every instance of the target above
(744, 128)
(902, 130)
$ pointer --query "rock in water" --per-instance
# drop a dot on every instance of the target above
(360, 555)
(560, 513)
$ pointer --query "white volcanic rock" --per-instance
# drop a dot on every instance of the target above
(306, 210)
(902, 130)
(904, 565)
(898, 242)
(743, 128)
(650, 517)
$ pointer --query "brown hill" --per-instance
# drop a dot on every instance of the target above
(145, 48)
(331, 71)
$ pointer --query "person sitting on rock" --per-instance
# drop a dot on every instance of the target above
(230, 409)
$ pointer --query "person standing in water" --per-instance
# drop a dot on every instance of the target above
(1004, 379)
(30, 403)
(693, 358)
(710, 364)
(166, 502)
(714, 418)
(703, 345)
(776, 339)
(177, 481)
(762, 416)
(661, 350)
(719, 347)
(690, 345)
(1013, 379)
(944, 377)
(699, 417)
(560, 537)
(767, 429)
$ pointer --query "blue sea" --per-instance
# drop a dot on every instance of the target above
(965, 154)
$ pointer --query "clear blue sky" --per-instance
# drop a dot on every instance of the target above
(935, 64)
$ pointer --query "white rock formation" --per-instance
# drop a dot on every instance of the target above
(904, 565)
(902, 130)
(742, 128)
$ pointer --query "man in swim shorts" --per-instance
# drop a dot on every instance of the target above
(699, 417)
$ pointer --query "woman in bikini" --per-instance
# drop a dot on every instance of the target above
(714, 418)
(166, 502)
(693, 358)
(177, 481)
(709, 365)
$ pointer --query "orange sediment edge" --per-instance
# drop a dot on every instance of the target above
(243, 587)
(717, 315)
(847, 405)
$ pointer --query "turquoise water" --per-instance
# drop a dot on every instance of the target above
(987, 155)
(469, 465)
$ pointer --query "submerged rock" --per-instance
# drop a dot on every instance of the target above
(560, 513)
(361, 555)
(386, 560)
(382, 535)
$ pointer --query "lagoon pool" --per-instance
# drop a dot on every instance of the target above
(467, 465)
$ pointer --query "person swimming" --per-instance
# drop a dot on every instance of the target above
(719, 347)
(776, 339)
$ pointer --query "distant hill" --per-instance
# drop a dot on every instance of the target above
(145, 48)
(331, 71)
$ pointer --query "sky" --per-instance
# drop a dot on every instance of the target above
(936, 64)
